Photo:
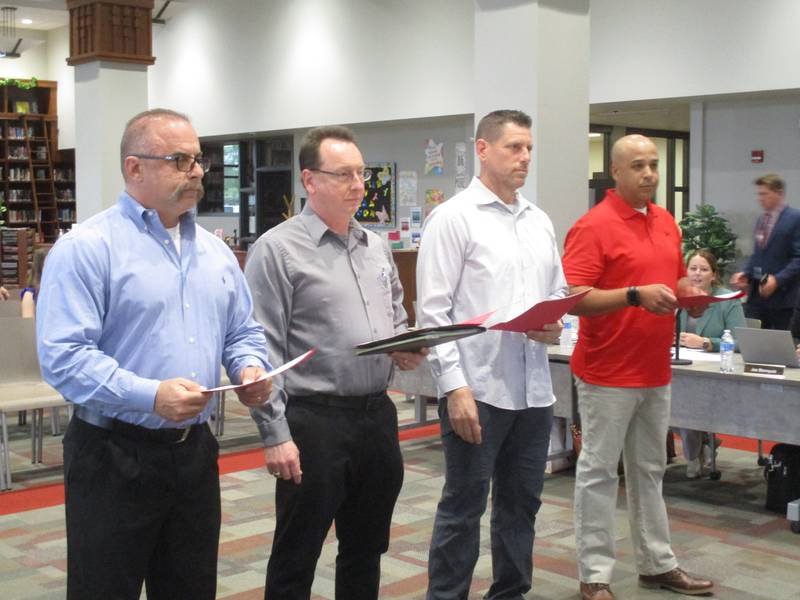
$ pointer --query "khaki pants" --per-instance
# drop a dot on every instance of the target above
(631, 421)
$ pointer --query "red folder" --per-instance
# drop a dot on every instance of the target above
(692, 301)
(546, 311)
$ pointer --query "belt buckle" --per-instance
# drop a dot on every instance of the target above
(183, 436)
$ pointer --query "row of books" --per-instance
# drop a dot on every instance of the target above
(11, 253)
(19, 195)
(18, 133)
(63, 175)
(19, 174)
(23, 216)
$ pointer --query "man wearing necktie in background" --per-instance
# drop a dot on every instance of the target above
(772, 275)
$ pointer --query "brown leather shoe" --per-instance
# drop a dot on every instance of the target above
(679, 581)
(596, 591)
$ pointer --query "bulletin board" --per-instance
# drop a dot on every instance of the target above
(379, 205)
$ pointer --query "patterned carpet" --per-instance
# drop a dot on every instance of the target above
(720, 529)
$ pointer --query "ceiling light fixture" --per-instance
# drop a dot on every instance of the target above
(8, 26)
(26, 21)
(8, 33)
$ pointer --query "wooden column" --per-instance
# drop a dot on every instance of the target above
(111, 47)
(110, 30)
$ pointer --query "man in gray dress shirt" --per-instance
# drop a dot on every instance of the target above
(330, 431)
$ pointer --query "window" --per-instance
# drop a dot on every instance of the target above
(230, 178)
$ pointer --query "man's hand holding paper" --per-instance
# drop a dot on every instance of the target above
(548, 334)
(257, 393)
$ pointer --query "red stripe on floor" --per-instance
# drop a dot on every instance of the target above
(749, 444)
(241, 461)
(32, 498)
(45, 496)
(416, 433)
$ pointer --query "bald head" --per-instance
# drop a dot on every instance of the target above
(634, 167)
(630, 143)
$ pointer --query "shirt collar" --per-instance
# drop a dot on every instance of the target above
(147, 218)
(487, 196)
(776, 212)
(625, 210)
(317, 228)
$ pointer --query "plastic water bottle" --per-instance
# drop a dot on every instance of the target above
(726, 352)
(565, 339)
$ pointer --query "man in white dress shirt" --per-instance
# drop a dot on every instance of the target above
(488, 248)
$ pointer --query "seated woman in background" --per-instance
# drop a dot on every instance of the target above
(705, 333)
(28, 294)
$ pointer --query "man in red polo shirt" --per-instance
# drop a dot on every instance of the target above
(629, 250)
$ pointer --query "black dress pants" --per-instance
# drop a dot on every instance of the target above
(771, 318)
(352, 474)
(140, 511)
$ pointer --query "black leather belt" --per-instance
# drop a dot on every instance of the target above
(368, 402)
(131, 431)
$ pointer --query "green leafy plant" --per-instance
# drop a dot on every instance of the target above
(23, 85)
(706, 228)
(2, 212)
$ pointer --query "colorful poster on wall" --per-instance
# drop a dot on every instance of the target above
(407, 188)
(433, 198)
(461, 166)
(434, 158)
(379, 204)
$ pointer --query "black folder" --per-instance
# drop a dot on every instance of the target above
(411, 341)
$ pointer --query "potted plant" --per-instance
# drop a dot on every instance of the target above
(706, 228)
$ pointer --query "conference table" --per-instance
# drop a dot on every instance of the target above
(419, 383)
(752, 406)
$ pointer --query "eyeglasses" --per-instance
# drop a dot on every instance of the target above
(345, 176)
(183, 162)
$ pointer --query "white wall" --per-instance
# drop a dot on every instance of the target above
(403, 143)
(59, 71)
(731, 129)
(270, 65)
(31, 63)
(642, 49)
(400, 142)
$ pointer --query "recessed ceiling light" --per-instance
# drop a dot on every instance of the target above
(26, 21)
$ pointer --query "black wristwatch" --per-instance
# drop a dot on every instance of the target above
(633, 296)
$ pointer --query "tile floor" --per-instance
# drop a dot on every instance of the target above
(720, 529)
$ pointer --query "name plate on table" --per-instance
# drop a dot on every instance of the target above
(775, 371)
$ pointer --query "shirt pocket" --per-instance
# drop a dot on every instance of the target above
(379, 283)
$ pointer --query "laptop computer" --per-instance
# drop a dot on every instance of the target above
(767, 346)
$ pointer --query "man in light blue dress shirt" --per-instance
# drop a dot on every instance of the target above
(138, 308)
(488, 248)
